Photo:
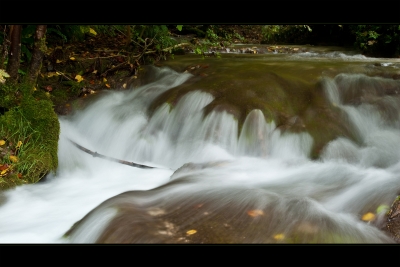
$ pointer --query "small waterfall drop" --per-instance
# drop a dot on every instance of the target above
(212, 183)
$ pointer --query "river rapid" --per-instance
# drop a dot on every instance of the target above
(229, 166)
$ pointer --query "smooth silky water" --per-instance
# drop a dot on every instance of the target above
(231, 183)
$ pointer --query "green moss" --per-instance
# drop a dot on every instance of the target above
(36, 125)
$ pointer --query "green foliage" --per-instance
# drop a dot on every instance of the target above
(75, 87)
(110, 30)
(158, 33)
(3, 75)
(285, 33)
(211, 35)
(35, 124)
(8, 95)
(179, 27)
(56, 30)
(68, 32)
(377, 40)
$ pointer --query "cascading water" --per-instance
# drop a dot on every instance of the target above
(212, 183)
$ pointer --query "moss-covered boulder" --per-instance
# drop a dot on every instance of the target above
(30, 132)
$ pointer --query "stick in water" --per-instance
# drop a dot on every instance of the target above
(95, 154)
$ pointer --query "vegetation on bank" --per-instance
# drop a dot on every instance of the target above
(44, 66)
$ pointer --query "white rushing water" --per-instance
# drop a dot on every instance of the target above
(350, 179)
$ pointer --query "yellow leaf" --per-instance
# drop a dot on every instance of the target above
(34, 89)
(2, 142)
(368, 217)
(72, 58)
(124, 85)
(104, 80)
(58, 61)
(255, 213)
(13, 158)
(92, 31)
(191, 232)
(4, 172)
(108, 86)
(94, 72)
(78, 78)
(279, 236)
(19, 144)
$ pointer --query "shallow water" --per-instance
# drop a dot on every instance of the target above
(255, 171)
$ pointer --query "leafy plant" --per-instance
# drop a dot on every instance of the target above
(3, 74)
(377, 40)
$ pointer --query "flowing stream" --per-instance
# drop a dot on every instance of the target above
(219, 179)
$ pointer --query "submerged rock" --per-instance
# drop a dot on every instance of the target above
(186, 210)
(393, 221)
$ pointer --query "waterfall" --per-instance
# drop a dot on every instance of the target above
(213, 183)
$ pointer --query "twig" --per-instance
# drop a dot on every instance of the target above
(95, 154)
(65, 76)
(113, 69)
(105, 57)
(103, 50)
(166, 49)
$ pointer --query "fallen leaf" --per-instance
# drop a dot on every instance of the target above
(13, 158)
(94, 72)
(2, 142)
(382, 208)
(51, 74)
(58, 61)
(4, 172)
(19, 144)
(279, 236)
(104, 80)
(108, 86)
(191, 232)
(19, 175)
(91, 82)
(255, 213)
(124, 85)
(92, 31)
(48, 88)
(78, 78)
(368, 217)
(3, 167)
(72, 58)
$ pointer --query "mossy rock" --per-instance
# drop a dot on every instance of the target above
(36, 125)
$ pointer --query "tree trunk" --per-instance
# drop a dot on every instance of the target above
(4, 47)
(14, 54)
(37, 55)
(128, 35)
